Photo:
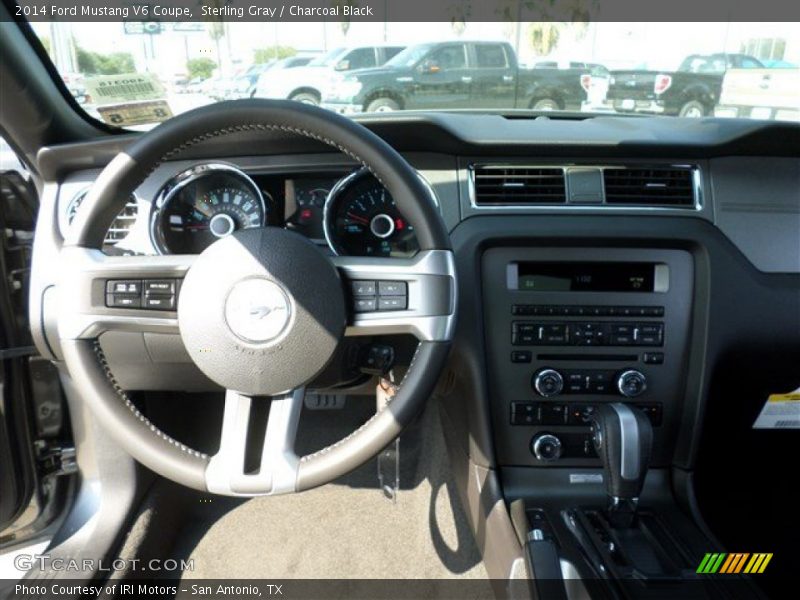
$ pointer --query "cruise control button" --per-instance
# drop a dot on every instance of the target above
(127, 286)
(363, 288)
(159, 286)
(160, 302)
(123, 301)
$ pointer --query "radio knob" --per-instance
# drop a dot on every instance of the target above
(631, 383)
(546, 447)
(548, 382)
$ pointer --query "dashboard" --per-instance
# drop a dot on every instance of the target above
(348, 211)
(571, 292)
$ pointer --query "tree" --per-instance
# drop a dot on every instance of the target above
(544, 37)
(216, 28)
(200, 67)
(345, 22)
(94, 63)
(263, 55)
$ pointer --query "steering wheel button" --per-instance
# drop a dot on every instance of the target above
(392, 303)
(392, 288)
(160, 302)
(123, 301)
(124, 286)
(363, 288)
(159, 286)
(364, 304)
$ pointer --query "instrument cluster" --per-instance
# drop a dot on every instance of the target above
(352, 213)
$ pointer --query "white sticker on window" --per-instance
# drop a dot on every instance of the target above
(780, 411)
(128, 87)
(137, 113)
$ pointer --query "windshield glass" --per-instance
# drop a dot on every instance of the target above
(134, 75)
(410, 56)
(329, 59)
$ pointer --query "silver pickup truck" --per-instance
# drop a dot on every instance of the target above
(760, 94)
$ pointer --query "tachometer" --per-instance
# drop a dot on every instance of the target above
(204, 204)
(362, 219)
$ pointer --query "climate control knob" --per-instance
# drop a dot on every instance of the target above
(631, 383)
(546, 447)
(548, 382)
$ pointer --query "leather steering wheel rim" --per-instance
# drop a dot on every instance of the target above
(85, 360)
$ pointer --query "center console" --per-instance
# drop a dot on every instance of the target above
(570, 329)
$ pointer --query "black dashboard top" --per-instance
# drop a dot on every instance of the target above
(490, 134)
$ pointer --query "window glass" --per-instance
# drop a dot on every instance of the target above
(490, 56)
(449, 57)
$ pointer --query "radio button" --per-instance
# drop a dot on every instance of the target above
(521, 356)
(548, 382)
(653, 358)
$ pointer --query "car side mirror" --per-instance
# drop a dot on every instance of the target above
(342, 65)
(430, 66)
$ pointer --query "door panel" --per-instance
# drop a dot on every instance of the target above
(494, 78)
(442, 79)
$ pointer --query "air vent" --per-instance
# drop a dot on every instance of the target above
(515, 186)
(119, 228)
(650, 186)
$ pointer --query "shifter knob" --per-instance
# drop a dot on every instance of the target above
(623, 438)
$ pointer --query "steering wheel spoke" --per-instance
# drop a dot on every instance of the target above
(90, 304)
(277, 471)
(394, 295)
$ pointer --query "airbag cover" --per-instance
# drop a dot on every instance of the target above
(262, 311)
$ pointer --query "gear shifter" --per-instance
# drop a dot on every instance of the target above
(623, 438)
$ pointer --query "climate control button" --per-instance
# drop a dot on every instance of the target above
(546, 447)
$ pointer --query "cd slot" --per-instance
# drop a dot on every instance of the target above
(592, 357)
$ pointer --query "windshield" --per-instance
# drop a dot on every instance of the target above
(410, 56)
(134, 75)
(329, 59)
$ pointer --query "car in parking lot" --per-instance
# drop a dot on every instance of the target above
(690, 91)
(468, 74)
(305, 83)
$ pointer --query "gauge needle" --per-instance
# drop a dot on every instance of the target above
(358, 219)
(198, 226)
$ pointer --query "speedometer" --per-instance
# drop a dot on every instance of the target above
(362, 219)
(204, 204)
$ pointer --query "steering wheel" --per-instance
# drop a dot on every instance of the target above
(260, 312)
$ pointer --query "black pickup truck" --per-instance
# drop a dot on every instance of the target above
(457, 75)
(691, 91)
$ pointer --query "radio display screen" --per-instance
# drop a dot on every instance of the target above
(584, 277)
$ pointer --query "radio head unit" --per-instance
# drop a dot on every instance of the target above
(587, 276)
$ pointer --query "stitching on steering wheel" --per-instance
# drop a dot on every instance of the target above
(259, 127)
(101, 357)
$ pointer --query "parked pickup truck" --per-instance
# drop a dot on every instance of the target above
(456, 75)
(691, 91)
(761, 94)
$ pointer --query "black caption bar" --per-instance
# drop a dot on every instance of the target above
(453, 11)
